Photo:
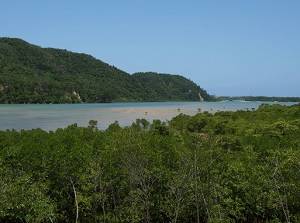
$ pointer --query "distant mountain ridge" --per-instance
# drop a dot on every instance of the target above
(31, 74)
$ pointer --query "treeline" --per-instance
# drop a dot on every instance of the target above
(261, 98)
(239, 166)
(31, 74)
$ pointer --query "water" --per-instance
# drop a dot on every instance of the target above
(53, 116)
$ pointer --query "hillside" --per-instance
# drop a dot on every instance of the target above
(31, 74)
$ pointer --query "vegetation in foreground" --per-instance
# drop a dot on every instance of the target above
(260, 98)
(239, 166)
(31, 74)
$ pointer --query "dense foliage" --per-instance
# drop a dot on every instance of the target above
(161, 87)
(31, 74)
(239, 166)
(261, 98)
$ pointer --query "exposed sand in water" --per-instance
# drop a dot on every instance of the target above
(151, 113)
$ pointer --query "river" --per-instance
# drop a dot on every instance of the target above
(53, 116)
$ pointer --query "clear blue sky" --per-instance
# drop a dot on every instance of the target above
(228, 47)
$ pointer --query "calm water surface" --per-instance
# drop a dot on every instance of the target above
(53, 116)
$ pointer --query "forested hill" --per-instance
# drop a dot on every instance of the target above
(31, 74)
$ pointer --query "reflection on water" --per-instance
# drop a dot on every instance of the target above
(53, 116)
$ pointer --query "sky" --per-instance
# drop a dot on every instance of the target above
(227, 47)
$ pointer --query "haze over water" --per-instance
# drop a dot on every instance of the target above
(52, 116)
